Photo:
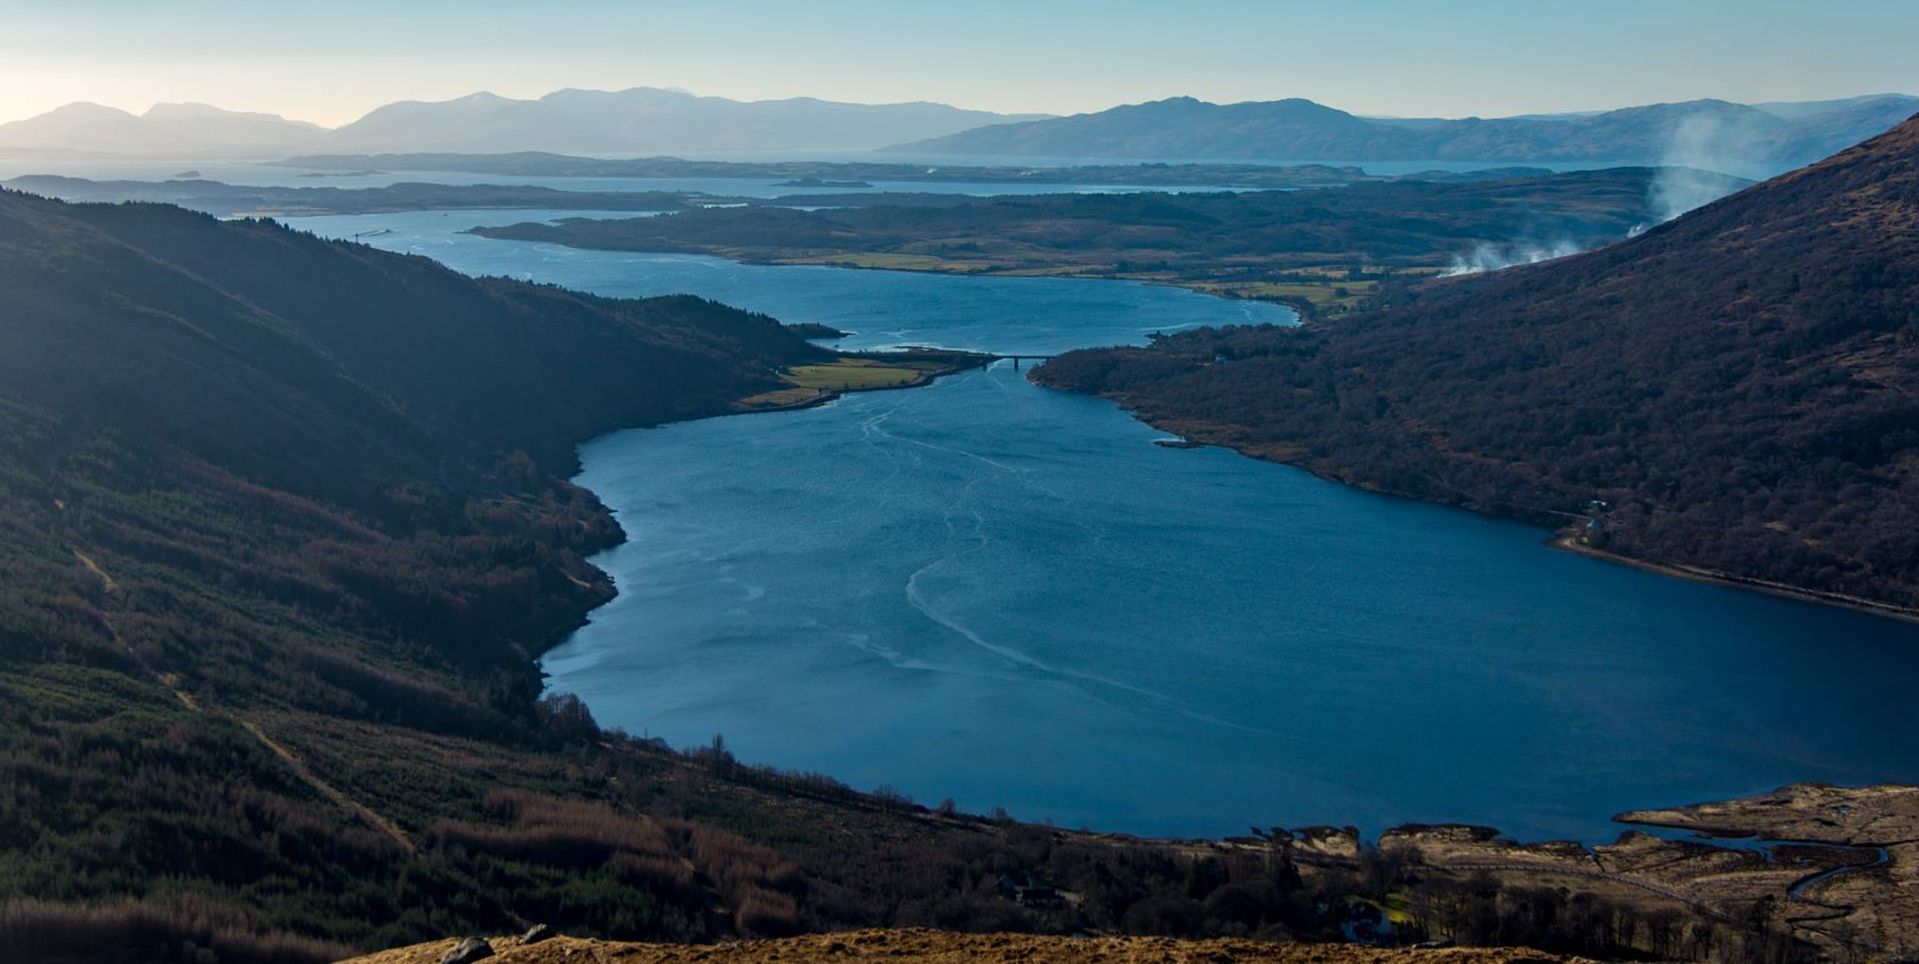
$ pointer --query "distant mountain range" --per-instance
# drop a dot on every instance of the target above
(1734, 138)
(166, 130)
(646, 120)
(642, 120)
(1747, 140)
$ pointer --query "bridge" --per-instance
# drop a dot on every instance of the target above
(1016, 359)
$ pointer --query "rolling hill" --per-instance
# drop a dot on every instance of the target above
(1737, 390)
(641, 120)
(1741, 140)
(165, 130)
(645, 120)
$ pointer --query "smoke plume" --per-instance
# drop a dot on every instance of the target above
(1489, 257)
(1700, 149)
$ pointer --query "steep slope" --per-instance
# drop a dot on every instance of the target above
(1740, 385)
(403, 415)
(259, 485)
(645, 120)
(1298, 130)
(474, 367)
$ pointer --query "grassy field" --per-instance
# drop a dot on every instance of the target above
(782, 398)
(848, 373)
(894, 262)
(855, 374)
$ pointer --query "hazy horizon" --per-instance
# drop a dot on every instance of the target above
(330, 66)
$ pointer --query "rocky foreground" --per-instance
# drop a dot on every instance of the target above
(1836, 868)
(924, 945)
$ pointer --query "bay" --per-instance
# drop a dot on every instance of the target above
(1009, 596)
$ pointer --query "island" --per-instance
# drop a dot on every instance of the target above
(821, 182)
(1154, 174)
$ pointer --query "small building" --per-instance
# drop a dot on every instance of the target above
(1026, 893)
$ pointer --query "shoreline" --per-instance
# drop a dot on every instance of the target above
(1302, 307)
(1619, 869)
(538, 650)
(1200, 435)
(1568, 543)
(1198, 438)
(955, 361)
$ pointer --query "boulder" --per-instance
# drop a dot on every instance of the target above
(471, 949)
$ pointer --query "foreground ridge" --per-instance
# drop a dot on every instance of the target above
(929, 945)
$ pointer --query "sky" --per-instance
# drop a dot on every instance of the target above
(331, 61)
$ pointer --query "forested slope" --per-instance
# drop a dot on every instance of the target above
(1740, 385)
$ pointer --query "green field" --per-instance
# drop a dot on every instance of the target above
(854, 374)
(814, 383)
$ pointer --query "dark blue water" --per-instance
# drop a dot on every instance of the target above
(884, 308)
(1010, 596)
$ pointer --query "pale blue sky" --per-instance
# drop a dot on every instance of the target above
(330, 60)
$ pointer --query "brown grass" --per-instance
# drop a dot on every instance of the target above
(184, 929)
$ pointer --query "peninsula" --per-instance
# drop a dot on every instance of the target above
(1323, 250)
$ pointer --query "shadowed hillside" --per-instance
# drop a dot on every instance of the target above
(1740, 386)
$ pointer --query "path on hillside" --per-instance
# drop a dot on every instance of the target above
(293, 761)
